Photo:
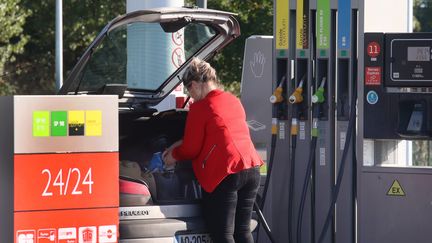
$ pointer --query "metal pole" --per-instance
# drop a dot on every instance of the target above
(59, 44)
(202, 3)
(410, 16)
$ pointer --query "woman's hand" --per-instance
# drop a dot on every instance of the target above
(167, 154)
(168, 158)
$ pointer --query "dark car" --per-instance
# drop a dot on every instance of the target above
(141, 57)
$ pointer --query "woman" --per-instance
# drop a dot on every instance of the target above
(224, 159)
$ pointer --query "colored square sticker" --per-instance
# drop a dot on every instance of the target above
(302, 53)
(41, 123)
(344, 53)
(281, 53)
(323, 53)
(76, 123)
(58, 123)
(93, 123)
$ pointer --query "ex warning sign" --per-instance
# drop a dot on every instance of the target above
(396, 189)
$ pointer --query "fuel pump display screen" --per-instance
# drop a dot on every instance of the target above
(408, 60)
(418, 54)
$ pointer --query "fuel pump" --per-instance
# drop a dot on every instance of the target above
(395, 133)
(295, 99)
(346, 66)
(282, 86)
(301, 124)
(325, 40)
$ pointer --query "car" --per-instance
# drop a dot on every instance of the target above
(141, 57)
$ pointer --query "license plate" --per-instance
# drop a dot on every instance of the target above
(194, 238)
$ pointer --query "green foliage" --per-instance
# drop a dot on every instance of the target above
(27, 38)
(34, 69)
(255, 18)
(422, 15)
(12, 39)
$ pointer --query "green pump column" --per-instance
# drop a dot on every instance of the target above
(325, 40)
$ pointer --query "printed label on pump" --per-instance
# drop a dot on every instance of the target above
(282, 24)
(323, 24)
(344, 24)
(302, 30)
(302, 132)
(342, 140)
(281, 130)
(322, 156)
(373, 75)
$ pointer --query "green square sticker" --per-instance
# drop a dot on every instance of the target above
(41, 123)
(281, 53)
(344, 53)
(302, 53)
(59, 123)
(322, 53)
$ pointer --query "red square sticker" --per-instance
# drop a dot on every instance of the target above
(373, 76)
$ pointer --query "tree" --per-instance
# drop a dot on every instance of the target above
(12, 39)
(34, 69)
(255, 18)
(422, 13)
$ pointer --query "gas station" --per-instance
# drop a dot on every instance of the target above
(338, 105)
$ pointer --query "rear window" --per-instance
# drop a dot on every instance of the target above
(142, 55)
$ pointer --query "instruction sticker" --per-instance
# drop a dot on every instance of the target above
(373, 76)
(396, 189)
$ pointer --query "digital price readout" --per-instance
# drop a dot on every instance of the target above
(418, 54)
(408, 60)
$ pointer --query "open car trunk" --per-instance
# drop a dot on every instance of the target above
(141, 57)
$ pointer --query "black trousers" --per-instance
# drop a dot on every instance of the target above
(228, 209)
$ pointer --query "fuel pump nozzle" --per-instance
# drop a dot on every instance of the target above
(318, 97)
(276, 97)
(297, 96)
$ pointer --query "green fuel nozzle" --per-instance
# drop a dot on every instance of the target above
(318, 97)
(277, 97)
(297, 96)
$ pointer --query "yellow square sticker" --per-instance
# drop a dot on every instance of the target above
(76, 117)
(76, 123)
(93, 123)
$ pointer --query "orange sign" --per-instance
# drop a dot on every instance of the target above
(71, 226)
(65, 181)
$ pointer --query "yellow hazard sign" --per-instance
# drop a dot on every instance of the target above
(396, 189)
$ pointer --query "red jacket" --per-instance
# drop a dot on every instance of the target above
(217, 139)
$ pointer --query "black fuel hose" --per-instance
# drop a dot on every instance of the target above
(336, 188)
(307, 177)
(272, 148)
(263, 222)
(292, 174)
(260, 207)
(269, 170)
